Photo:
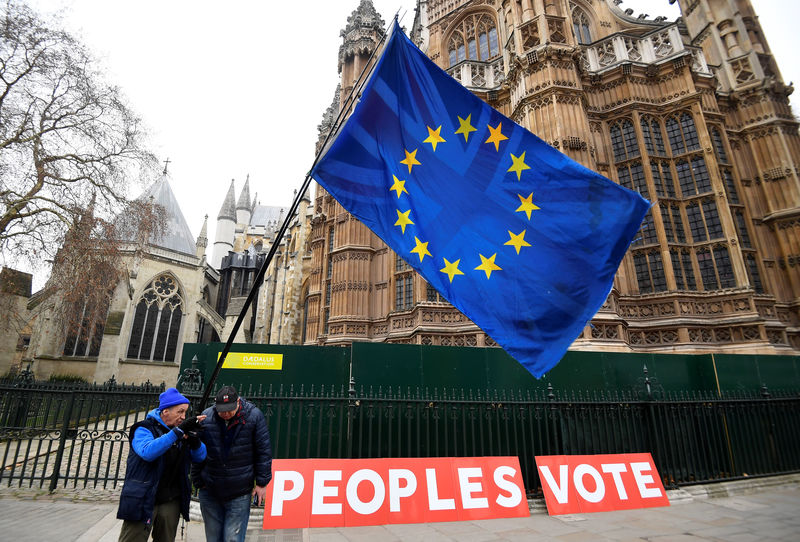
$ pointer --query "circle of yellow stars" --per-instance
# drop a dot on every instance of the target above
(516, 240)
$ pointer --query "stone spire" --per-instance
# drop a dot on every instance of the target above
(243, 209)
(226, 229)
(202, 239)
(228, 209)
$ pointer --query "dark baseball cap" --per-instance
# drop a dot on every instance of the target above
(227, 399)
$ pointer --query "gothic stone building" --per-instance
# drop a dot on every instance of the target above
(162, 301)
(693, 114)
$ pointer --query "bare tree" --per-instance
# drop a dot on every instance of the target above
(90, 263)
(66, 136)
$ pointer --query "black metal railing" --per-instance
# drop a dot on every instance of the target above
(693, 437)
(68, 434)
(51, 436)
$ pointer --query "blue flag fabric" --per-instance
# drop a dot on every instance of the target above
(519, 237)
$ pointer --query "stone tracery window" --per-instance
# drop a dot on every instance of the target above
(403, 285)
(662, 177)
(653, 140)
(157, 321)
(682, 269)
(715, 267)
(730, 186)
(623, 141)
(753, 273)
(475, 38)
(719, 146)
(85, 335)
(631, 176)
(647, 233)
(580, 25)
(649, 272)
(704, 221)
(693, 176)
(682, 134)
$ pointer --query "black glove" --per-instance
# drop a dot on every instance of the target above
(189, 424)
(193, 438)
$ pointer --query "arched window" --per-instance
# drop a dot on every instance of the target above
(85, 325)
(704, 220)
(673, 223)
(649, 272)
(475, 38)
(653, 141)
(580, 26)
(715, 267)
(730, 187)
(623, 141)
(741, 228)
(752, 273)
(682, 269)
(682, 134)
(719, 146)
(157, 321)
(693, 177)
(631, 176)
(663, 179)
(647, 233)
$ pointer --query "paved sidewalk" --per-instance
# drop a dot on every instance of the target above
(765, 509)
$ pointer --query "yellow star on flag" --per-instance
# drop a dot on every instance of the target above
(526, 205)
(399, 186)
(487, 265)
(433, 137)
(403, 220)
(496, 136)
(411, 159)
(517, 166)
(517, 240)
(466, 127)
(451, 269)
(421, 249)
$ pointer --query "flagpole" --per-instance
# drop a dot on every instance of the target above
(289, 216)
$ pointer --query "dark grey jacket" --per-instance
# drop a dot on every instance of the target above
(238, 457)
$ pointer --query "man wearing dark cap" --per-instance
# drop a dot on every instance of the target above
(238, 466)
(156, 490)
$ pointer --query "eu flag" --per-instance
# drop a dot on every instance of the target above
(519, 237)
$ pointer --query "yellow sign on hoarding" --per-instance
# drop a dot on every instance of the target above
(245, 360)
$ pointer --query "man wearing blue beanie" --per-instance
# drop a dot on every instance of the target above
(156, 490)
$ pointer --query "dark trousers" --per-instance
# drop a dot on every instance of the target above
(164, 526)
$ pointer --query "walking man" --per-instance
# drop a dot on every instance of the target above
(238, 466)
(156, 490)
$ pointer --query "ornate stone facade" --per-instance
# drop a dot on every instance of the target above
(693, 114)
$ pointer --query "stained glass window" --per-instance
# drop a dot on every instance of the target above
(157, 321)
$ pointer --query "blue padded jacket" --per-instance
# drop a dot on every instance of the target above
(150, 439)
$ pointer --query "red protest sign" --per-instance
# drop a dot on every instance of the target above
(599, 483)
(350, 492)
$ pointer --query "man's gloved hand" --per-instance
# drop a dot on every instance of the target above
(189, 424)
(193, 437)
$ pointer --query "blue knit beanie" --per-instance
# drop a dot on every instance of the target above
(170, 398)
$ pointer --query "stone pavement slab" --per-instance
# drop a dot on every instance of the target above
(767, 510)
